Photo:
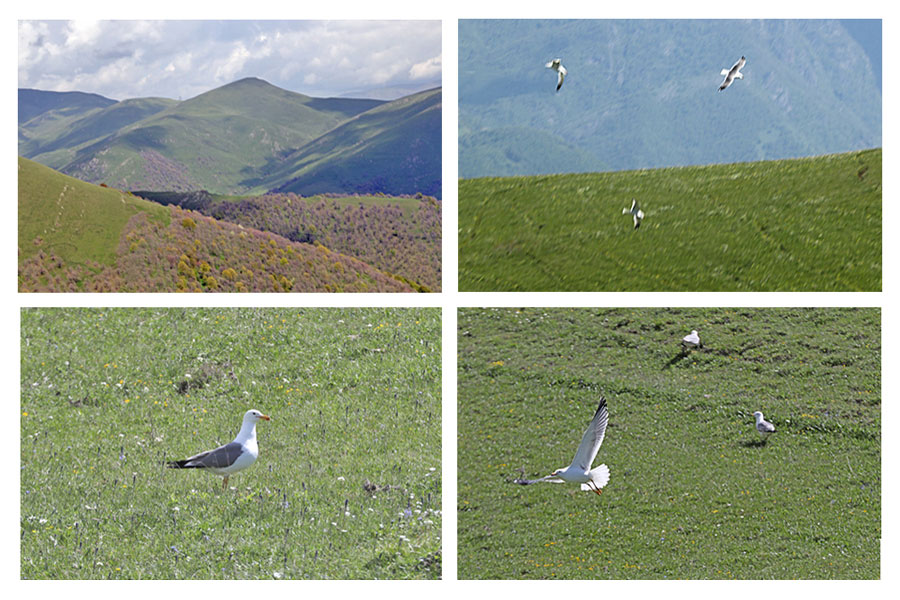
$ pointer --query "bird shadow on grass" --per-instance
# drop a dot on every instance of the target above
(753, 443)
(676, 359)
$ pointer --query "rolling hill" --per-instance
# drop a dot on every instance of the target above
(76, 236)
(397, 142)
(811, 224)
(248, 137)
(642, 94)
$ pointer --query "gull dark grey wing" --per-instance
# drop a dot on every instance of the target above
(221, 457)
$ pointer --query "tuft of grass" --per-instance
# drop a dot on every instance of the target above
(348, 481)
(693, 493)
(811, 224)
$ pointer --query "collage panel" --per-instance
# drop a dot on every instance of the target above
(670, 155)
(229, 156)
(230, 443)
(683, 443)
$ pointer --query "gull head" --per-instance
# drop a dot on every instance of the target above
(254, 416)
(758, 415)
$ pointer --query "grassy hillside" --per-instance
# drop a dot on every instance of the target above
(394, 234)
(354, 396)
(693, 493)
(393, 149)
(69, 218)
(211, 141)
(54, 141)
(33, 103)
(791, 225)
(75, 236)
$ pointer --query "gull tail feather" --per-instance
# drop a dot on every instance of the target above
(599, 477)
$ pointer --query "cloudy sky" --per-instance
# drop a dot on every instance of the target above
(180, 59)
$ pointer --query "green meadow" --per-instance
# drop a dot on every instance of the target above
(810, 224)
(694, 492)
(348, 480)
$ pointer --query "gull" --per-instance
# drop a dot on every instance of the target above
(635, 211)
(230, 458)
(591, 480)
(762, 426)
(561, 71)
(733, 73)
(691, 340)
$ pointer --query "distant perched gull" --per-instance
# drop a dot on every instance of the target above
(591, 480)
(733, 73)
(230, 458)
(762, 426)
(561, 71)
(691, 340)
(635, 211)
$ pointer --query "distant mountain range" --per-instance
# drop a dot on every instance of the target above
(643, 93)
(247, 137)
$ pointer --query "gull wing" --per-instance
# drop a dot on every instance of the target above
(592, 439)
(221, 457)
(548, 479)
(562, 76)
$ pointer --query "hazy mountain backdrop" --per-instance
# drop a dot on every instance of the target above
(247, 137)
(643, 93)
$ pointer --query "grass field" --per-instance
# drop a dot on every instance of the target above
(811, 224)
(109, 394)
(693, 493)
(63, 213)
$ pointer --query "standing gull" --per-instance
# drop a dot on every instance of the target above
(733, 73)
(230, 458)
(691, 340)
(635, 211)
(762, 426)
(560, 70)
(591, 480)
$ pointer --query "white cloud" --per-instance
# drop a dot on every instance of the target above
(429, 69)
(123, 59)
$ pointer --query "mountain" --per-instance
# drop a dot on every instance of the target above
(228, 140)
(643, 93)
(33, 103)
(76, 236)
(53, 138)
(393, 148)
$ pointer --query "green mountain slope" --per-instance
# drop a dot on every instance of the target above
(54, 142)
(394, 148)
(33, 103)
(212, 141)
(792, 225)
(643, 93)
(72, 219)
(75, 236)
(509, 150)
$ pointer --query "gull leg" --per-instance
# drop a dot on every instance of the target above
(594, 488)
(225, 482)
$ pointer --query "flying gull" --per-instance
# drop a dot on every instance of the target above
(230, 458)
(636, 213)
(591, 480)
(561, 71)
(691, 340)
(733, 73)
(762, 426)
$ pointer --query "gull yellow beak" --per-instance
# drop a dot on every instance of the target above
(265, 417)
